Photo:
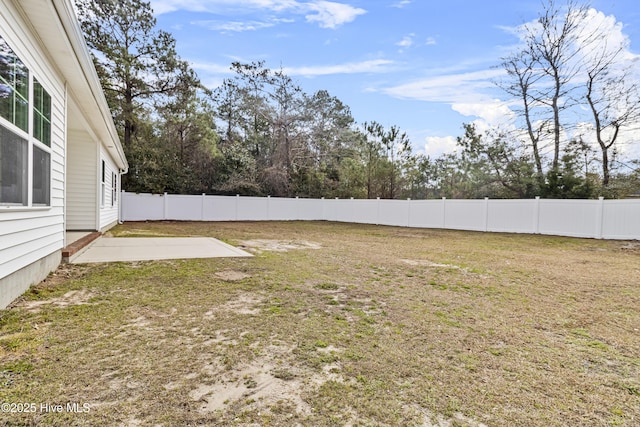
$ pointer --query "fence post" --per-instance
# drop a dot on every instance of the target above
(352, 210)
(269, 208)
(237, 203)
(378, 211)
(600, 218)
(202, 206)
(486, 214)
(444, 212)
(536, 216)
(408, 211)
(165, 204)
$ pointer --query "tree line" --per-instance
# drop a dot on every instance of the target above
(259, 133)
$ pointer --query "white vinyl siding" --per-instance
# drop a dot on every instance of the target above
(28, 234)
(109, 209)
(81, 181)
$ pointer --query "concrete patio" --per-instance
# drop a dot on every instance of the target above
(114, 249)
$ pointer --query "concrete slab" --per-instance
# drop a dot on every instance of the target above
(74, 236)
(77, 241)
(113, 249)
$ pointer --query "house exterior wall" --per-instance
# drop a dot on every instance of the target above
(31, 234)
(109, 198)
(82, 172)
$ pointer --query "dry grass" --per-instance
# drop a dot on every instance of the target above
(335, 324)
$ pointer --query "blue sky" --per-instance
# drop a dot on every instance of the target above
(426, 66)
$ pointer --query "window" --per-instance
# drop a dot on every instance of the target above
(103, 185)
(13, 168)
(114, 188)
(14, 88)
(41, 177)
(24, 149)
(41, 114)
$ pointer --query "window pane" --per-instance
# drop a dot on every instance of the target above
(41, 114)
(14, 87)
(103, 186)
(21, 114)
(7, 60)
(13, 168)
(114, 188)
(41, 177)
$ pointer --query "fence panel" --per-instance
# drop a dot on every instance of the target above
(281, 209)
(574, 218)
(426, 214)
(220, 208)
(142, 207)
(621, 219)
(342, 210)
(610, 219)
(394, 212)
(465, 214)
(310, 209)
(183, 208)
(511, 216)
(365, 211)
(253, 208)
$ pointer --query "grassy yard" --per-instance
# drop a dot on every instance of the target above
(331, 325)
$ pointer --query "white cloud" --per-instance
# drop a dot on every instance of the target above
(435, 146)
(327, 14)
(212, 68)
(494, 112)
(215, 71)
(407, 41)
(431, 41)
(240, 26)
(331, 14)
(372, 66)
(222, 6)
(402, 3)
(234, 26)
(460, 88)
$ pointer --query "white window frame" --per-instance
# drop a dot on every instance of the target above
(32, 142)
(114, 188)
(103, 184)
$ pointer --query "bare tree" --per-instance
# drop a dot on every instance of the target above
(612, 97)
(542, 74)
(555, 48)
(520, 68)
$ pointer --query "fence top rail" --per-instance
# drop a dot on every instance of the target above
(629, 200)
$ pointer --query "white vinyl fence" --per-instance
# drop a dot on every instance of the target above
(600, 219)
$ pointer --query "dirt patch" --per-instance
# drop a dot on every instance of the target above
(254, 385)
(79, 297)
(232, 275)
(277, 245)
(631, 247)
(457, 419)
(242, 304)
(270, 381)
(221, 338)
(426, 263)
